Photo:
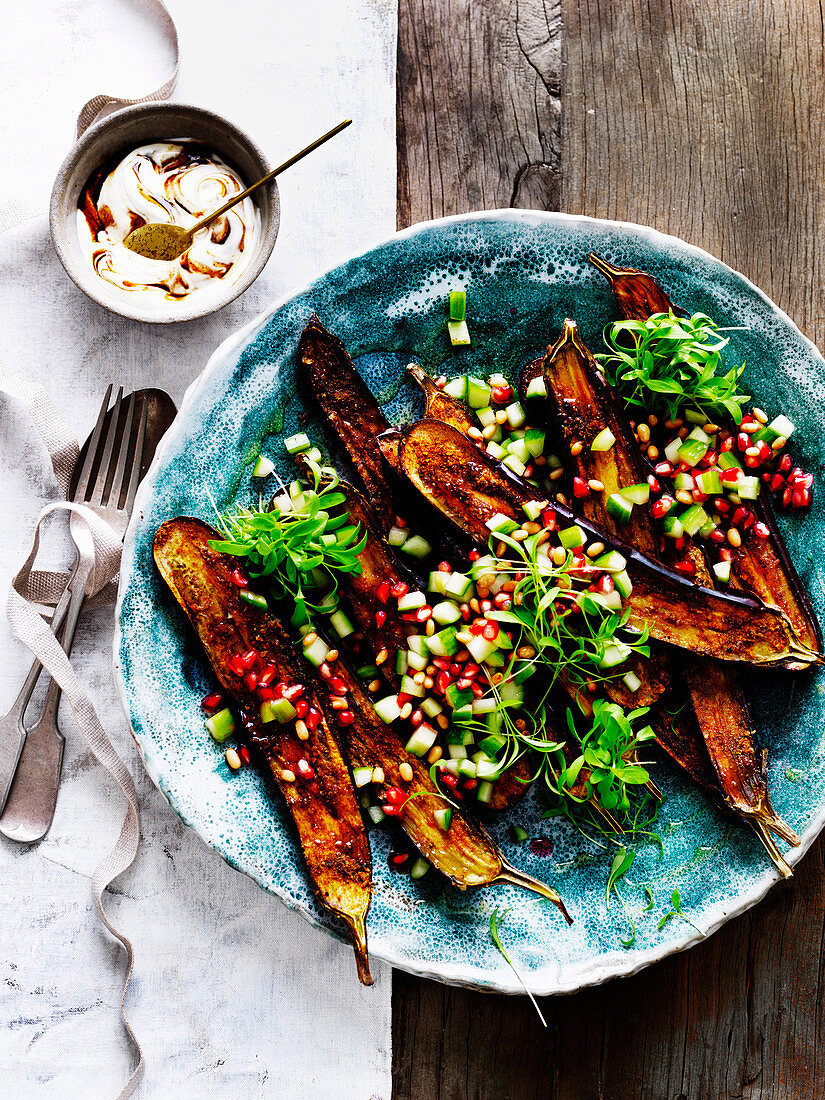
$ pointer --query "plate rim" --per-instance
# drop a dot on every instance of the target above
(587, 973)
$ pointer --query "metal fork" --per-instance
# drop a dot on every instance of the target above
(107, 483)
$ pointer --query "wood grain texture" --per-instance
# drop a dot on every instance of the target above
(705, 120)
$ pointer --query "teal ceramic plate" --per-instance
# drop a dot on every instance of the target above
(524, 273)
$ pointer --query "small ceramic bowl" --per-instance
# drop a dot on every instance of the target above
(125, 130)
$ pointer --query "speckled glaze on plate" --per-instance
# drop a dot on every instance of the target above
(524, 273)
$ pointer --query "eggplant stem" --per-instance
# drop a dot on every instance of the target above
(607, 269)
(655, 791)
(769, 843)
(357, 924)
(515, 877)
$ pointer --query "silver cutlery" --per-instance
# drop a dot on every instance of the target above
(106, 481)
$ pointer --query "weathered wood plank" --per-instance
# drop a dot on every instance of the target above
(705, 120)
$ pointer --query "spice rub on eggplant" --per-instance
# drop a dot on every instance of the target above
(320, 795)
(470, 488)
(328, 377)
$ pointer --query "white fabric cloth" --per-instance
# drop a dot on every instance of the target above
(233, 996)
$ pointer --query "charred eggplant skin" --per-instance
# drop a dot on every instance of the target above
(329, 379)
(762, 566)
(324, 808)
(470, 488)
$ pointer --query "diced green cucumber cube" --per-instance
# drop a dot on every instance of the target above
(387, 708)
(361, 776)
(376, 814)
(459, 586)
(221, 725)
(684, 482)
(494, 450)
(263, 467)
(619, 508)
(397, 536)
(314, 453)
(486, 416)
(709, 482)
(437, 581)
(417, 661)
(727, 461)
(456, 752)
(516, 416)
(748, 488)
(624, 585)
(446, 612)
(614, 654)
(478, 393)
(612, 601)
(721, 571)
(672, 450)
(410, 687)
(515, 464)
(459, 334)
(485, 564)
(500, 524)
(695, 416)
(443, 817)
(511, 692)
(278, 710)
(533, 509)
(537, 387)
(692, 451)
(487, 770)
(316, 653)
(444, 643)
(631, 681)
(457, 388)
(780, 425)
(517, 448)
(411, 600)
(692, 519)
(485, 705)
(419, 868)
(431, 707)
(467, 768)
(417, 547)
(422, 740)
(480, 648)
(402, 661)
(417, 643)
(458, 697)
(493, 744)
(341, 624)
(297, 443)
(701, 436)
(571, 537)
(603, 441)
(672, 526)
(458, 305)
(534, 438)
(484, 792)
(637, 494)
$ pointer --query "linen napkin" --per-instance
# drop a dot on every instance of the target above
(233, 995)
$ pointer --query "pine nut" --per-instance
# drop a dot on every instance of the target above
(233, 760)
(557, 473)
(374, 685)
(595, 485)
(332, 655)
(434, 754)
(405, 771)
(594, 549)
(383, 654)
(644, 433)
(652, 452)
(734, 538)
(310, 638)
(288, 776)
(779, 443)
(406, 710)
(378, 775)
(558, 555)
(576, 447)
(760, 415)
(301, 730)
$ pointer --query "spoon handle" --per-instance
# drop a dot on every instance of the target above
(270, 175)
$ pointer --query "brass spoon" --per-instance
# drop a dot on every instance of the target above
(165, 241)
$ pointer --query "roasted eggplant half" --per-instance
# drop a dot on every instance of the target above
(469, 488)
(323, 807)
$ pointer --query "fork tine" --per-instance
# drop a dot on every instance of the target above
(123, 453)
(103, 471)
(137, 458)
(91, 453)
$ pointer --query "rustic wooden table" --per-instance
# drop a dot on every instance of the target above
(703, 118)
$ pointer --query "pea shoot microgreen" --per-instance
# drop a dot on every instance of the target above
(677, 911)
(622, 862)
(299, 545)
(669, 362)
(496, 918)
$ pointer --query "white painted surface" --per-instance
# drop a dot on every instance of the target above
(233, 996)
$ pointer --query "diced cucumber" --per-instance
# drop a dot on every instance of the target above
(701, 436)
(446, 612)
(431, 707)
(612, 601)
(277, 710)
(537, 387)
(459, 334)
(316, 653)
(402, 661)
(263, 467)
(707, 528)
(314, 453)
(485, 705)
(387, 708)
(458, 305)
(695, 416)
(780, 425)
(361, 776)
(603, 441)
(534, 440)
(684, 482)
(396, 536)
(672, 450)
(571, 537)
(631, 681)
(500, 524)
(518, 835)
(494, 450)
(637, 494)
(410, 687)
(692, 451)
(419, 868)
(418, 644)
(672, 527)
(493, 744)
(458, 697)
(611, 562)
(411, 600)
(458, 734)
(457, 388)
(478, 393)
(467, 768)
(692, 519)
(515, 464)
(619, 508)
(221, 725)
(728, 460)
(484, 792)
(443, 817)
(376, 814)
(367, 672)
(416, 661)
(297, 443)
(459, 586)
(721, 571)
(480, 648)
(624, 585)
(444, 643)
(614, 654)
(487, 770)
(437, 581)
(328, 603)
(486, 416)
(485, 564)
(341, 624)
(518, 449)
(421, 741)
(296, 495)
(516, 416)
(709, 482)
(748, 488)
(417, 547)
(533, 509)
(456, 752)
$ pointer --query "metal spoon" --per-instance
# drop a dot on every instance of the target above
(165, 241)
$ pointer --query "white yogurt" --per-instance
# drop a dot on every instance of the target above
(176, 182)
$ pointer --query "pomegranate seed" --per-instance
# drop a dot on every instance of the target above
(338, 685)
(306, 769)
(265, 694)
(249, 658)
(213, 701)
(680, 543)
(503, 601)
(501, 394)
(750, 519)
(463, 683)
(380, 618)
(710, 459)
(490, 631)
(761, 530)
(391, 811)
(301, 708)
(325, 671)
(580, 488)
(476, 689)
(471, 669)
(417, 717)
(726, 554)
(251, 680)
(395, 796)
(441, 663)
(442, 682)
(237, 577)
(423, 613)
(449, 780)
(803, 481)
(663, 469)
(267, 675)
(383, 592)
(766, 477)
(403, 698)
(764, 450)
(294, 691)
(699, 497)
(661, 507)
(655, 487)
(607, 584)
(743, 441)
(345, 718)
(398, 859)
(237, 665)
(801, 498)
(399, 589)
(313, 717)
(470, 784)
(717, 536)
(722, 506)
(730, 475)
(549, 519)
(687, 567)
(477, 627)
(474, 555)
(455, 669)
(280, 688)
(786, 497)
(243, 752)
(738, 516)
(444, 567)
(785, 463)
